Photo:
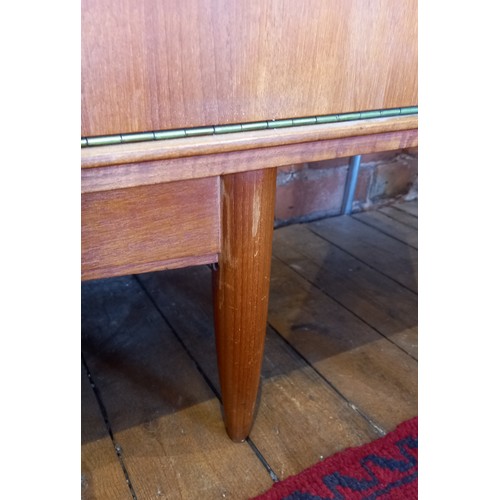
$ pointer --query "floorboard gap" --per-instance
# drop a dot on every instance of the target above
(250, 443)
(362, 261)
(366, 223)
(263, 461)
(379, 430)
(400, 221)
(404, 211)
(104, 414)
(179, 338)
(325, 292)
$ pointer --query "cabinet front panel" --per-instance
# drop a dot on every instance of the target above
(166, 64)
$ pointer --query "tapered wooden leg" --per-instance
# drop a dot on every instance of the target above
(241, 292)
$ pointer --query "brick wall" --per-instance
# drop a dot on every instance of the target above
(313, 190)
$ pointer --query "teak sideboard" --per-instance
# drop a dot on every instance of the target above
(189, 107)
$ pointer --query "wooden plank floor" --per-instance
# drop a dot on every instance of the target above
(340, 365)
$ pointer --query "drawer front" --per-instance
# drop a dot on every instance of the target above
(148, 228)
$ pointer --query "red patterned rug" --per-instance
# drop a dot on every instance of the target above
(383, 469)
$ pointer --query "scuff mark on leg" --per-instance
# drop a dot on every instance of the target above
(255, 214)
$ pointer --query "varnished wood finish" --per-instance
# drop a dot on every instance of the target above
(240, 141)
(163, 64)
(153, 172)
(155, 65)
(241, 291)
(150, 228)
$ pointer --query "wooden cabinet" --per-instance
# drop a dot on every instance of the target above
(187, 110)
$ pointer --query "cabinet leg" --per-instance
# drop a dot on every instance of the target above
(241, 292)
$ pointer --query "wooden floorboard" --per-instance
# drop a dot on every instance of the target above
(391, 227)
(377, 377)
(376, 249)
(102, 474)
(293, 395)
(410, 207)
(400, 215)
(164, 417)
(340, 364)
(386, 306)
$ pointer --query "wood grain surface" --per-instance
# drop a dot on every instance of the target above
(241, 292)
(193, 167)
(209, 144)
(155, 65)
(149, 228)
